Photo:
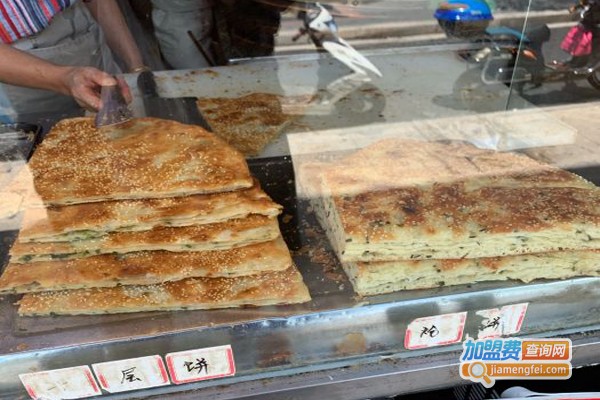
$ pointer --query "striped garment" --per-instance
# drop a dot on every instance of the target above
(23, 18)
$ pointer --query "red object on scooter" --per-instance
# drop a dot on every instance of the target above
(578, 41)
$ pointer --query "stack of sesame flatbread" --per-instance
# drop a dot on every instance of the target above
(406, 214)
(143, 216)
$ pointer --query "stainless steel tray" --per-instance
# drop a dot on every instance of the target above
(336, 329)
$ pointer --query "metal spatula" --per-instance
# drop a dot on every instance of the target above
(182, 109)
(114, 109)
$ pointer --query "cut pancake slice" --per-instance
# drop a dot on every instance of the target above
(143, 158)
(389, 276)
(224, 235)
(144, 268)
(93, 220)
(445, 221)
(250, 122)
(405, 199)
(270, 288)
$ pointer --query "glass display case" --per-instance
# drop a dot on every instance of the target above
(424, 162)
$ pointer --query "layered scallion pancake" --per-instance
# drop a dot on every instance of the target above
(219, 236)
(94, 220)
(379, 277)
(412, 200)
(143, 158)
(270, 288)
(425, 213)
(144, 268)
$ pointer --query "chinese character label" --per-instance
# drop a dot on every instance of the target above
(201, 364)
(501, 321)
(66, 383)
(131, 374)
(438, 330)
(431, 331)
(198, 365)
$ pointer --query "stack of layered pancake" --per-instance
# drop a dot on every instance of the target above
(406, 214)
(147, 215)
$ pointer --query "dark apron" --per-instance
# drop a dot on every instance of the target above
(172, 20)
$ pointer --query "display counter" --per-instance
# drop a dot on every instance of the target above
(339, 345)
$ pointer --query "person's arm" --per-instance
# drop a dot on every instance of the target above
(118, 36)
(82, 83)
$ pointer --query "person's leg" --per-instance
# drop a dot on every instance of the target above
(172, 20)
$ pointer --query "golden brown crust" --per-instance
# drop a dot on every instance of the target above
(144, 158)
(282, 287)
(384, 216)
(144, 268)
(247, 123)
(224, 235)
(47, 224)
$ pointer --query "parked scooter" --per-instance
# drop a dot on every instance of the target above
(505, 57)
(469, 20)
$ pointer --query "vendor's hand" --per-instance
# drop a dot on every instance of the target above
(84, 85)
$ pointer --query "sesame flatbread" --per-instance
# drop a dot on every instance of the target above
(248, 123)
(144, 268)
(379, 277)
(143, 158)
(412, 200)
(219, 236)
(94, 220)
(270, 288)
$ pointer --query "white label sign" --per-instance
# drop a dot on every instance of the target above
(501, 321)
(201, 364)
(131, 374)
(58, 384)
(433, 331)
